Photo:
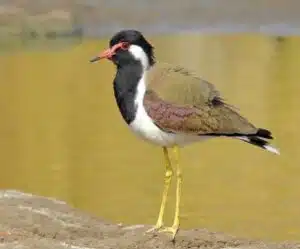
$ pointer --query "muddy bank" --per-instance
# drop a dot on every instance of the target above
(28, 221)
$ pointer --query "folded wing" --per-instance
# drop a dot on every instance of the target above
(180, 102)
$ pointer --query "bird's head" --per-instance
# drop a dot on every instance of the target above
(127, 47)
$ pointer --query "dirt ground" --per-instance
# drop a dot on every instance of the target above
(28, 221)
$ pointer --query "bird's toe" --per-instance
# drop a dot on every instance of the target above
(171, 230)
(155, 228)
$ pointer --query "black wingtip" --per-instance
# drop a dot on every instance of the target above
(264, 133)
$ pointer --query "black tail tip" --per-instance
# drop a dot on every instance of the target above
(264, 133)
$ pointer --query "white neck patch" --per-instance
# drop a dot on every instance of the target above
(139, 54)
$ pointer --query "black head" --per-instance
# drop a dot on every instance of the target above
(126, 47)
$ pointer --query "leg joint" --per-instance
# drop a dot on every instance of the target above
(168, 173)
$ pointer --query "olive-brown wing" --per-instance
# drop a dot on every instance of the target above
(177, 85)
(219, 119)
(180, 102)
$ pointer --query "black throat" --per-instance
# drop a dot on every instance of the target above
(125, 89)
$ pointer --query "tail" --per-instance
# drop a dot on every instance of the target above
(258, 139)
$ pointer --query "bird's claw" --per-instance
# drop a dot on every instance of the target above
(161, 229)
(172, 230)
(156, 228)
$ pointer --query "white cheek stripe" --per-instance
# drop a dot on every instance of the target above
(139, 54)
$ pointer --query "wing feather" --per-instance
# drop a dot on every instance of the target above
(181, 102)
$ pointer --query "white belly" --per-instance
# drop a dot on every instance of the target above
(146, 129)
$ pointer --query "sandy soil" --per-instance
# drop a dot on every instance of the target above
(28, 221)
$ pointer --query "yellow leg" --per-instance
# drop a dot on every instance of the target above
(174, 228)
(167, 181)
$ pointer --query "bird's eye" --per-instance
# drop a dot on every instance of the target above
(125, 45)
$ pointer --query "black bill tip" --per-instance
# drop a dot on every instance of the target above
(95, 59)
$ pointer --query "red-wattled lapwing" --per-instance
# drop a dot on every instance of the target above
(171, 107)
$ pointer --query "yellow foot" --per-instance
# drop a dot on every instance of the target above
(172, 230)
(157, 227)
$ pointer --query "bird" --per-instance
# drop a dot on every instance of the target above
(171, 106)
